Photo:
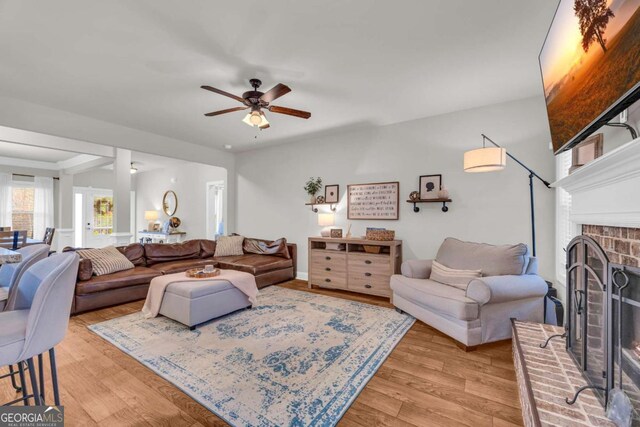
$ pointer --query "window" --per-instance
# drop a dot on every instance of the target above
(565, 228)
(22, 197)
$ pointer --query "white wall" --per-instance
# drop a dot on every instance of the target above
(490, 207)
(189, 186)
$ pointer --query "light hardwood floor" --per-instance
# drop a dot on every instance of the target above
(426, 381)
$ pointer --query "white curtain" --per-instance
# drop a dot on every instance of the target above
(5, 199)
(219, 207)
(42, 205)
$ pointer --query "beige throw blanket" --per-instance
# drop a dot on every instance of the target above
(245, 282)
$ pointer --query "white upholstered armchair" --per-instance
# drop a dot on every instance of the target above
(508, 287)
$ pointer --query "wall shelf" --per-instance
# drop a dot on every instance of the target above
(332, 206)
(444, 202)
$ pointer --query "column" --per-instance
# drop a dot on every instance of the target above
(122, 197)
(64, 235)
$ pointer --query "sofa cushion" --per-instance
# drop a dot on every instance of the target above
(453, 277)
(182, 265)
(134, 253)
(85, 270)
(254, 264)
(162, 252)
(106, 260)
(491, 259)
(435, 296)
(207, 248)
(229, 246)
(266, 247)
(120, 279)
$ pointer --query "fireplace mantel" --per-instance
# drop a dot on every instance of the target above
(607, 190)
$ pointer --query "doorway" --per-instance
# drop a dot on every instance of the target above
(215, 209)
(93, 217)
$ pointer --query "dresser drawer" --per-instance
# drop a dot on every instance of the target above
(329, 279)
(376, 285)
(337, 260)
(372, 264)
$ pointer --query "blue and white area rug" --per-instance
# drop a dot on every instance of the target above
(295, 359)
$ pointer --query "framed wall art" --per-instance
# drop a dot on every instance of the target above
(332, 193)
(378, 200)
(430, 186)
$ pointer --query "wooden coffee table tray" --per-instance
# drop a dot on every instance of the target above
(199, 273)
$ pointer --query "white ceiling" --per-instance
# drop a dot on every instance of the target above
(351, 63)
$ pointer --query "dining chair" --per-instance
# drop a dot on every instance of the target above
(10, 274)
(48, 235)
(13, 239)
(39, 321)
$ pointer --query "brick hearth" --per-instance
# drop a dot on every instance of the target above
(621, 244)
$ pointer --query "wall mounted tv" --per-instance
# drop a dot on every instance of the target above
(590, 64)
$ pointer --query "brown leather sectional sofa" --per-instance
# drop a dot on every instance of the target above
(153, 260)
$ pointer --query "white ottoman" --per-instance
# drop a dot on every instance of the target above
(192, 303)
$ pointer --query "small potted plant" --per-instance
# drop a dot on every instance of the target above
(312, 187)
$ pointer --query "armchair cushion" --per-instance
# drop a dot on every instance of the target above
(453, 277)
(416, 268)
(497, 289)
(435, 296)
(491, 259)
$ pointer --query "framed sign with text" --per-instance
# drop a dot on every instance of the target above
(379, 200)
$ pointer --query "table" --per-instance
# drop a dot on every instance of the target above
(160, 237)
(9, 257)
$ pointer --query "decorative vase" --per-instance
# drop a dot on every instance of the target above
(320, 200)
(312, 199)
(443, 193)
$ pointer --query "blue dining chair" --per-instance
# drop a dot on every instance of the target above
(10, 274)
(39, 321)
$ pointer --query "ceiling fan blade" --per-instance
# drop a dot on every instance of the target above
(221, 92)
(275, 92)
(228, 110)
(267, 126)
(289, 111)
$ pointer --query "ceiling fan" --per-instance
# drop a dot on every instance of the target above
(257, 101)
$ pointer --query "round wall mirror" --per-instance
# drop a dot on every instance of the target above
(170, 203)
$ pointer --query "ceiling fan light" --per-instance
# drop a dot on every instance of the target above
(247, 119)
(133, 169)
(255, 118)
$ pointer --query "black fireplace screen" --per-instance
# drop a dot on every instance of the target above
(603, 322)
(587, 324)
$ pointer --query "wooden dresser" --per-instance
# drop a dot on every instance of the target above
(350, 267)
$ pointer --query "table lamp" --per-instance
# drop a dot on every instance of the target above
(152, 217)
(326, 220)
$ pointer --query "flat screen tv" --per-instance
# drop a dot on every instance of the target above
(590, 64)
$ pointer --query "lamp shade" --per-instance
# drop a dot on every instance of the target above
(487, 159)
(326, 219)
(151, 215)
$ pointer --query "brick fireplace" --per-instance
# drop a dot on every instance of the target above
(621, 244)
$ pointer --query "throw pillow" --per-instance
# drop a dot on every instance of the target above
(229, 246)
(453, 277)
(106, 260)
(262, 247)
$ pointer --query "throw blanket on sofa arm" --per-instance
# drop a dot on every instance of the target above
(245, 282)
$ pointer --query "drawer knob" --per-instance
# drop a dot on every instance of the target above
(367, 261)
(367, 286)
(328, 258)
(327, 280)
(328, 269)
(367, 274)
